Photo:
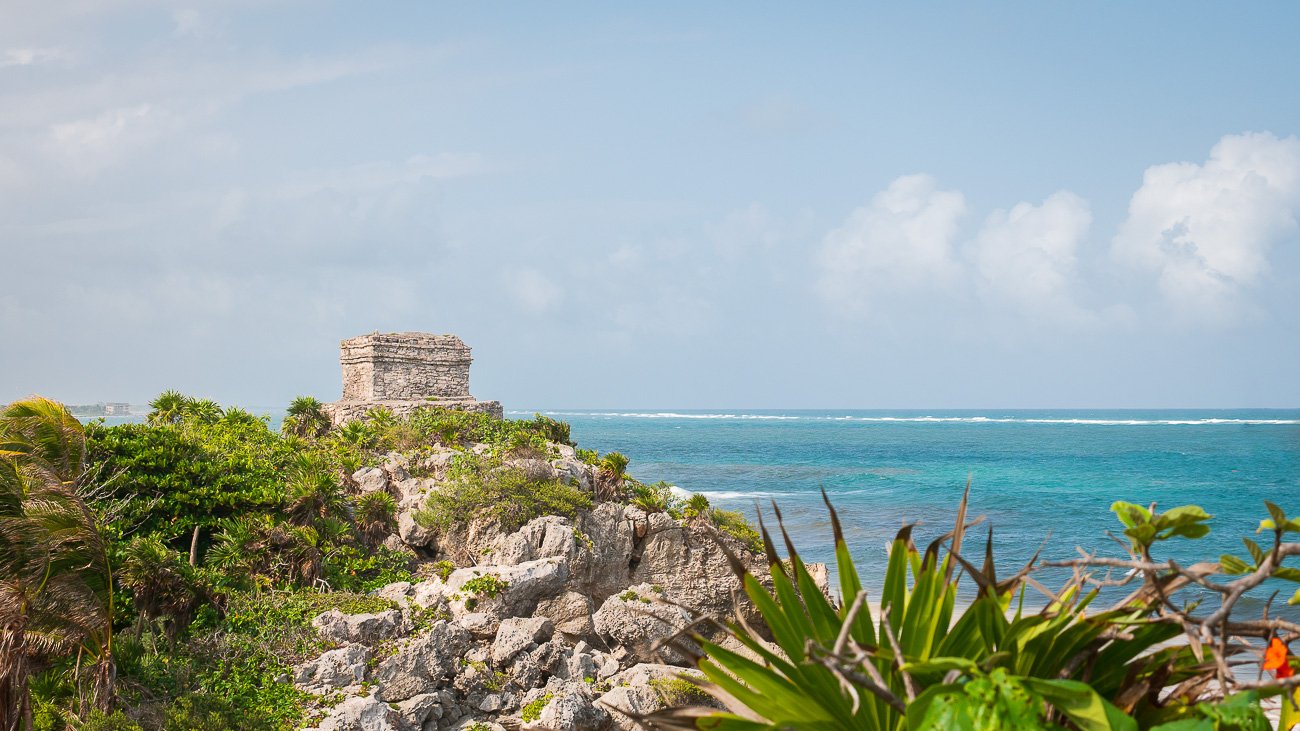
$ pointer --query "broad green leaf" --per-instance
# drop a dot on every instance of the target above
(1081, 704)
(1233, 565)
(1130, 514)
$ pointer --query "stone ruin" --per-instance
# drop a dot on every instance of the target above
(403, 372)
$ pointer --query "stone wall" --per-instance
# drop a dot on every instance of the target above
(405, 367)
(403, 372)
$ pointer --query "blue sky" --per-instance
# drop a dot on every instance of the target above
(721, 205)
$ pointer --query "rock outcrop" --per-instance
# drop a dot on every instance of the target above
(568, 622)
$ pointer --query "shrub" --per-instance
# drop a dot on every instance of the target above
(506, 496)
(734, 524)
(657, 498)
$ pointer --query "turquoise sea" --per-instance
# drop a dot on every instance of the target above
(1043, 478)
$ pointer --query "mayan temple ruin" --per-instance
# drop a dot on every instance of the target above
(403, 372)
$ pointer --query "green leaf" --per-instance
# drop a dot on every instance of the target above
(1233, 565)
(1275, 512)
(1186, 724)
(1081, 704)
(1130, 514)
(1295, 599)
(1256, 552)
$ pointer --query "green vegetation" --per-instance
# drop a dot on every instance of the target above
(533, 711)
(163, 575)
(679, 692)
(508, 496)
(919, 663)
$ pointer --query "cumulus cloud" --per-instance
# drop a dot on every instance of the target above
(1205, 231)
(1026, 256)
(900, 242)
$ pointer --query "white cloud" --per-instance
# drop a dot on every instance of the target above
(1205, 231)
(32, 56)
(902, 241)
(1026, 257)
(533, 291)
(89, 145)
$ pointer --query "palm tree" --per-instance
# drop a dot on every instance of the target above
(306, 418)
(203, 410)
(56, 581)
(314, 493)
(168, 408)
(374, 515)
(163, 586)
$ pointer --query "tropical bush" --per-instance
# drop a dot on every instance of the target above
(506, 495)
(916, 661)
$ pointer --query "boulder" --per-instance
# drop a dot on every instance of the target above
(339, 668)
(422, 664)
(544, 537)
(398, 591)
(690, 567)
(571, 707)
(411, 532)
(366, 629)
(623, 700)
(516, 634)
(370, 479)
(414, 712)
(520, 587)
(636, 621)
(570, 611)
(361, 713)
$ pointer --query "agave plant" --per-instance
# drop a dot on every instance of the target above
(915, 661)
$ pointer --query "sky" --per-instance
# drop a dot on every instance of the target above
(673, 205)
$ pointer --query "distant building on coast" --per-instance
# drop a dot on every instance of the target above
(117, 409)
(403, 372)
(100, 409)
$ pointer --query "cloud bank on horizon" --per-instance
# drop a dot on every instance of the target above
(681, 208)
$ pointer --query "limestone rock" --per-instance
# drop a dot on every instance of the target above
(361, 713)
(571, 707)
(370, 479)
(411, 532)
(624, 699)
(366, 629)
(422, 664)
(638, 623)
(414, 712)
(570, 611)
(516, 634)
(334, 669)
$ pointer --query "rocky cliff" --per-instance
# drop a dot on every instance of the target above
(566, 623)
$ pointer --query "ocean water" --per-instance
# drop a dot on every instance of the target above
(1043, 479)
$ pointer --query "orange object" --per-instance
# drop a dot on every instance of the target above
(1277, 659)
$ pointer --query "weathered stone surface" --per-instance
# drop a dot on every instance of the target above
(480, 624)
(525, 585)
(570, 611)
(370, 479)
(571, 707)
(516, 634)
(366, 629)
(545, 537)
(361, 713)
(411, 532)
(414, 712)
(404, 372)
(338, 668)
(398, 591)
(689, 566)
(634, 699)
(639, 623)
(423, 664)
